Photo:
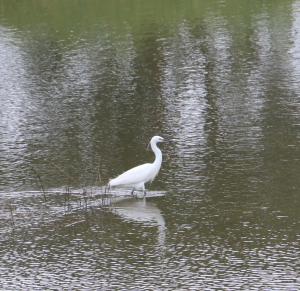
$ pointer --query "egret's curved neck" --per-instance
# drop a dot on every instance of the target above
(157, 152)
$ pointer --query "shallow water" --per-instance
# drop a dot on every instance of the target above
(84, 86)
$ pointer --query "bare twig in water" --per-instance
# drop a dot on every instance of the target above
(85, 198)
(67, 196)
(98, 179)
(40, 182)
(11, 209)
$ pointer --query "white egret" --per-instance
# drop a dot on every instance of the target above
(136, 177)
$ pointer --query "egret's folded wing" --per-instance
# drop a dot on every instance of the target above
(133, 176)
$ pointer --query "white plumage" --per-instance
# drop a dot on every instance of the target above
(136, 177)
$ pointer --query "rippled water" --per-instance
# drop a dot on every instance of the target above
(84, 86)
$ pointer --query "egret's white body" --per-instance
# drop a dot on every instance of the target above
(136, 177)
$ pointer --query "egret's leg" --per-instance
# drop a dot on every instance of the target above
(144, 190)
(132, 192)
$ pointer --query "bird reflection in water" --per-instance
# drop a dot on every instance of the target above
(144, 212)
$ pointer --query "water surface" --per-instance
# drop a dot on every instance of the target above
(83, 88)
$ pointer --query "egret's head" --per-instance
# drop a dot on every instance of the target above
(156, 139)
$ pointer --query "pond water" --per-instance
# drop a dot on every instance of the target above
(84, 85)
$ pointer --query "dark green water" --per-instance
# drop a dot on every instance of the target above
(84, 85)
